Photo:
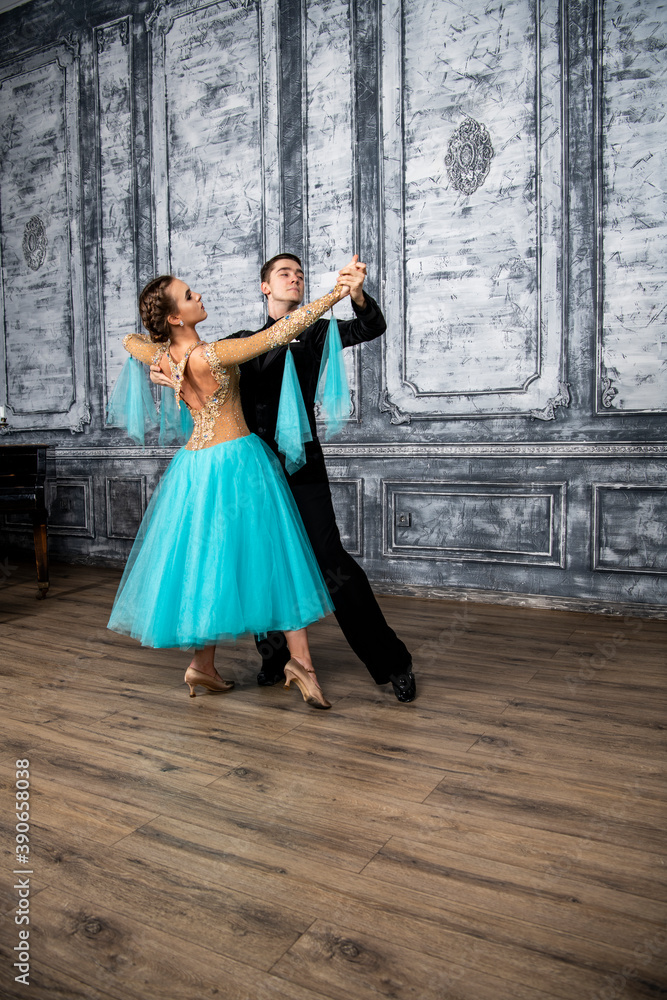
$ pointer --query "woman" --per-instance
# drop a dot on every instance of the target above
(221, 551)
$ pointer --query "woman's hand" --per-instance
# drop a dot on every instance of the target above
(352, 276)
(159, 377)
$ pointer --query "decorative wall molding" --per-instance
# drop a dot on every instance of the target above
(72, 42)
(396, 415)
(562, 398)
(107, 34)
(112, 454)
(35, 243)
(489, 522)
(151, 17)
(526, 449)
(215, 163)
(629, 528)
(469, 155)
(608, 391)
(474, 281)
(629, 107)
(43, 362)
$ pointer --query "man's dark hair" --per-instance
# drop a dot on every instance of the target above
(268, 267)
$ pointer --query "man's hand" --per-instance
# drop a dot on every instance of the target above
(353, 275)
(159, 377)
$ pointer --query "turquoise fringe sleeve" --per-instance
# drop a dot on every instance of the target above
(131, 405)
(333, 392)
(292, 427)
(176, 423)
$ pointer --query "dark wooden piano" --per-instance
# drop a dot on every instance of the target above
(22, 478)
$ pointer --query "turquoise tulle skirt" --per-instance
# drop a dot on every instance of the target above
(221, 552)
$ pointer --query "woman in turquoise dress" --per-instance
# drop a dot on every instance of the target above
(221, 551)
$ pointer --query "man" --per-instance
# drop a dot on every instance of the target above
(356, 609)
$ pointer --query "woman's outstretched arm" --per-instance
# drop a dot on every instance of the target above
(235, 352)
(141, 347)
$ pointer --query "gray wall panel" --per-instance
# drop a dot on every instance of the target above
(484, 521)
(70, 504)
(473, 170)
(630, 528)
(125, 504)
(42, 292)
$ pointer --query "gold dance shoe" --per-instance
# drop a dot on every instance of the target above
(215, 685)
(307, 683)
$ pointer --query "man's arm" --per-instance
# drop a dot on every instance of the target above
(369, 322)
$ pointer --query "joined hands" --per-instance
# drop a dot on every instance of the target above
(352, 277)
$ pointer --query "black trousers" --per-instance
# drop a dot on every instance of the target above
(356, 609)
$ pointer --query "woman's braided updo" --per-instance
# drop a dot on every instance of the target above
(155, 305)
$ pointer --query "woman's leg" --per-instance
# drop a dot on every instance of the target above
(300, 669)
(297, 643)
(202, 671)
(203, 660)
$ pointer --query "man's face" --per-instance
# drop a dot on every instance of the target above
(285, 283)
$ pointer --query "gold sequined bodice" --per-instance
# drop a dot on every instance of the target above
(220, 418)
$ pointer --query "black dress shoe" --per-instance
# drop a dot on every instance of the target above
(404, 685)
(267, 678)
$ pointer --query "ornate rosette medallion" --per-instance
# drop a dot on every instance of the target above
(34, 243)
(469, 156)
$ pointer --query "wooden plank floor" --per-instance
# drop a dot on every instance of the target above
(501, 838)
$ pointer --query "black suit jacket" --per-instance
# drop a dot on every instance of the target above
(261, 381)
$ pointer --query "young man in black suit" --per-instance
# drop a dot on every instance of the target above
(359, 616)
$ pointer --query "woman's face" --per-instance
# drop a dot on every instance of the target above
(188, 304)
